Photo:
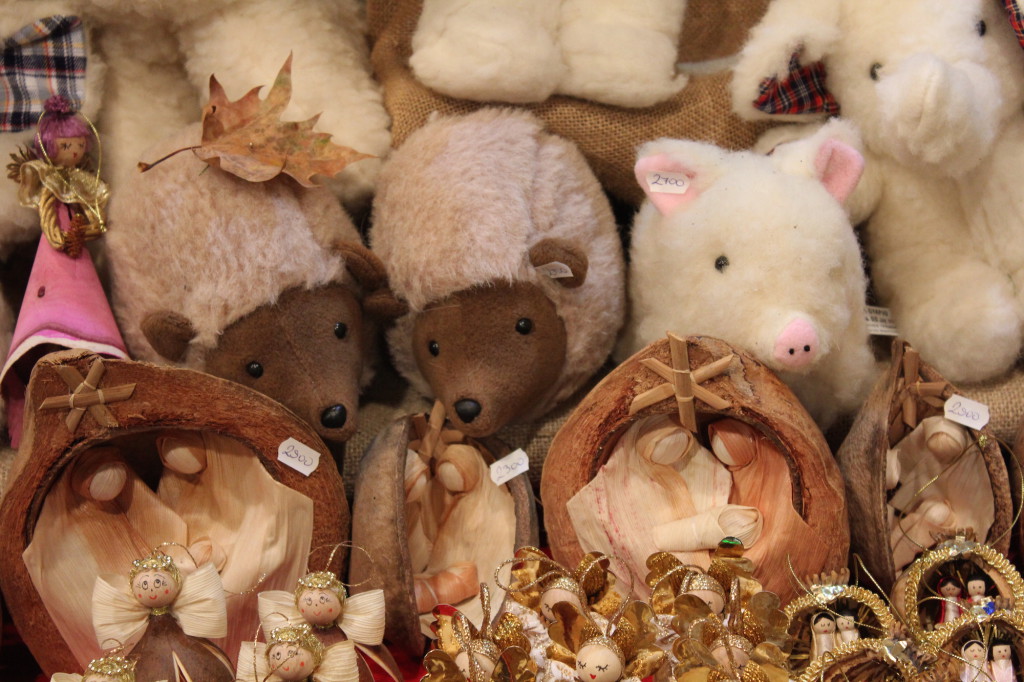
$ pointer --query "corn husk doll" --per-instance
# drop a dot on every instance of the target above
(110, 668)
(494, 652)
(624, 649)
(321, 601)
(168, 616)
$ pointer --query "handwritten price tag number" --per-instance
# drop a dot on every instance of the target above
(668, 183)
(967, 412)
(302, 458)
(510, 466)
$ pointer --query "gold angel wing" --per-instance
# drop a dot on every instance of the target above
(200, 608)
(692, 653)
(508, 632)
(571, 627)
(763, 620)
(515, 665)
(592, 573)
(441, 667)
(768, 654)
(635, 632)
(339, 665)
(689, 609)
(665, 578)
(116, 615)
(277, 609)
(532, 566)
(362, 619)
(252, 663)
(451, 628)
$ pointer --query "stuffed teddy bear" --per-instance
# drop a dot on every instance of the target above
(937, 91)
(499, 240)
(757, 251)
(266, 284)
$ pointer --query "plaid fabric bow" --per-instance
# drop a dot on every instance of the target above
(1016, 18)
(44, 58)
(802, 91)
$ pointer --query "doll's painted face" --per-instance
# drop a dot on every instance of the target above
(597, 663)
(846, 623)
(555, 595)
(975, 588)
(823, 625)
(70, 151)
(1001, 652)
(974, 652)
(319, 606)
(950, 590)
(486, 664)
(714, 600)
(154, 589)
(290, 662)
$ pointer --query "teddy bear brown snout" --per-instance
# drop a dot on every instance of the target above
(490, 353)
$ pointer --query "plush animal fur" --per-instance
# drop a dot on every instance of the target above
(759, 252)
(212, 272)
(937, 90)
(468, 212)
(525, 51)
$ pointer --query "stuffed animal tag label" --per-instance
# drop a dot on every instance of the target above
(302, 458)
(555, 270)
(879, 321)
(969, 413)
(510, 466)
(668, 183)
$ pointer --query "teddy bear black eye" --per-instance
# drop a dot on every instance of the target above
(340, 330)
(982, 27)
(721, 263)
(524, 325)
(254, 369)
(874, 71)
(434, 348)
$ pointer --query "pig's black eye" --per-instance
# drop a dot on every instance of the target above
(982, 28)
(254, 369)
(721, 263)
(874, 71)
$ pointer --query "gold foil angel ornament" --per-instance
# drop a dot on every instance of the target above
(539, 583)
(623, 649)
(167, 614)
(498, 651)
(321, 601)
(293, 653)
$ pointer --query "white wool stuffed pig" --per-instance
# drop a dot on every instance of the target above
(758, 251)
(937, 90)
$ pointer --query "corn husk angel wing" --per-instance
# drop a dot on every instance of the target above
(570, 630)
(361, 619)
(635, 633)
(252, 662)
(199, 608)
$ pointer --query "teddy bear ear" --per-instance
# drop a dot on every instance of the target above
(378, 300)
(560, 260)
(169, 333)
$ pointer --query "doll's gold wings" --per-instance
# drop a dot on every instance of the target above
(534, 572)
(454, 630)
(199, 608)
(569, 631)
(634, 630)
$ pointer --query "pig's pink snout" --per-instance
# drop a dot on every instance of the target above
(797, 345)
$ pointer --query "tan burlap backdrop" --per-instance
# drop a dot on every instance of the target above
(607, 135)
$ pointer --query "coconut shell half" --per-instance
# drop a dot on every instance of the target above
(753, 395)
(878, 426)
(161, 402)
(380, 527)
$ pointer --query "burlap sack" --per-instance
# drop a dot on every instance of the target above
(607, 135)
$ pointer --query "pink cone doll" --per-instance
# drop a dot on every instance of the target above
(64, 304)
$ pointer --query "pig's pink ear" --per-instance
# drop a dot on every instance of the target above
(666, 182)
(838, 167)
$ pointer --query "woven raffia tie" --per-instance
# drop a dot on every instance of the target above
(86, 395)
(911, 389)
(684, 384)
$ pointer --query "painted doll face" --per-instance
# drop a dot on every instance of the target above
(320, 607)
(154, 589)
(950, 590)
(1001, 652)
(845, 623)
(290, 662)
(486, 664)
(555, 595)
(597, 663)
(712, 599)
(823, 626)
(976, 588)
(974, 652)
(70, 151)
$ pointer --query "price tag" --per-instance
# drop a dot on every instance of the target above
(967, 412)
(302, 458)
(510, 466)
(879, 321)
(555, 270)
(668, 183)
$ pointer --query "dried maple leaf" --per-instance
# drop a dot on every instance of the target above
(248, 138)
